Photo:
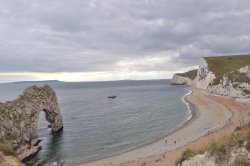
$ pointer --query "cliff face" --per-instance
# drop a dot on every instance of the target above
(19, 119)
(180, 80)
(235, 83)
(204, 75)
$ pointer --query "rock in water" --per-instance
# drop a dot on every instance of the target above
(19, 119)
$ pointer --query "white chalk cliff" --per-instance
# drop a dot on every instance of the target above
(180, 80)
(233, 84)
(204, 75)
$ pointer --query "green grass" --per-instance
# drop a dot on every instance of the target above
(190, 74)
(220, 65)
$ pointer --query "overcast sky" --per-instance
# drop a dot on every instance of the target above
(88, 40)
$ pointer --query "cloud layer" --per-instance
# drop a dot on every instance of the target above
(119, 36)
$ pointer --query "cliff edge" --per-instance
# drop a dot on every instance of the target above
(184, 78)
(19, 119)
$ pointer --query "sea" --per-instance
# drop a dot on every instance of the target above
(96, 127)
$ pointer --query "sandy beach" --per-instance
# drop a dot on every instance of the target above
(212, 117)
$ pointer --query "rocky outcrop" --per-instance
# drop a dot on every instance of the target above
(19, 119)
(180, 80)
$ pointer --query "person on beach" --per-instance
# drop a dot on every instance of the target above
(166, 141)
(174, 142)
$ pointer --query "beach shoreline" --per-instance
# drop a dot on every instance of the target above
(192, 114)
(208, 117)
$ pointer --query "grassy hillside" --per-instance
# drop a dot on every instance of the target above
(190, 74)
(223, 64)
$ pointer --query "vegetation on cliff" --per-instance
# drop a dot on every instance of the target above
(232, 149)
(190, 74)
(221, 65)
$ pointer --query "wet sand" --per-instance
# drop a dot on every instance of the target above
(213, 117)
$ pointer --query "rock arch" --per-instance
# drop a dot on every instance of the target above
(19, 119)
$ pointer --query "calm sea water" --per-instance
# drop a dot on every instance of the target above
(96, 127)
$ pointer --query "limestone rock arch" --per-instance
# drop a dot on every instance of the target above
(19, 119)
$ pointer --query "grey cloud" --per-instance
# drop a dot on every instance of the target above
(90, 35)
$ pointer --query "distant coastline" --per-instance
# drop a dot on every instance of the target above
(39, 81)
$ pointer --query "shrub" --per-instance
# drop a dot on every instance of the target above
(240, 142)
(248, 136)
(241, 160)
(246, 91)
(7, 150)
(185, 155)
(248, 145)
(219, 150)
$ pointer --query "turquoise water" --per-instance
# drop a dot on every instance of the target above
(96, 127)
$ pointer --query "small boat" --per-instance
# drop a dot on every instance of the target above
(112, 97)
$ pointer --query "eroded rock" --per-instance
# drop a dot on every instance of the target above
(19, 119)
